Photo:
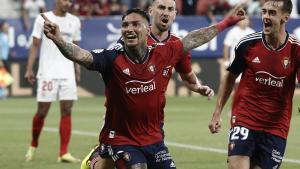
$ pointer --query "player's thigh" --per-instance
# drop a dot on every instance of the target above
(47, 90)
(128, 157)
(238, 162)
(241, 147)
(159, 157)
(67, 89)
(269, 151)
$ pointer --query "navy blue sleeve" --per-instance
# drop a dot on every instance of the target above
(239, 63)
(102, 59)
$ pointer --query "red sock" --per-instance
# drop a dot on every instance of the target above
(65, 133)
(37, 125)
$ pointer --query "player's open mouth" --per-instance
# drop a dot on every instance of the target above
(165, 20)
(130, 36)
(267, 23)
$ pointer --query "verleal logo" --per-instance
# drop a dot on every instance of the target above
(268, 79)
(138, 87)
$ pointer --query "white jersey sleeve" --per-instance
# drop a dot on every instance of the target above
(38, 27)
(77, 34)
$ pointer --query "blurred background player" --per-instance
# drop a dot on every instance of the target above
(56, 77)
(163, 13)
(30, 9)
(4, 53)
(261, 112)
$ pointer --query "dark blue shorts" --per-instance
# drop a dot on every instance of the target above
(156, 156)
(264, 149)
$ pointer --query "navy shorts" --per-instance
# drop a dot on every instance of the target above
(264, 149)
(156, 156)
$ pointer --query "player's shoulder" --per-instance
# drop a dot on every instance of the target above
(174, 37)
(293, 40)
(73, 17)
(249, 39)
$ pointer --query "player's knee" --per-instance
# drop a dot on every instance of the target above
(66, 109)
(238, 162)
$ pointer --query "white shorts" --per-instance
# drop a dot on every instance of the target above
(49, 90)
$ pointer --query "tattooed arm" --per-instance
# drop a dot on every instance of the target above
(201, 36)
(69, 50)
(74, 52)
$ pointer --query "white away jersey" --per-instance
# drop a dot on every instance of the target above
(52, 64)
(233, 36)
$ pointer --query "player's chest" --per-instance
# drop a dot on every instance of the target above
(151, 68)
(67, 27)
(277, 63)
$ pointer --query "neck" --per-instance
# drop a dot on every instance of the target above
(137, 53)
(276, 40)
(160, 35)
(58, 12)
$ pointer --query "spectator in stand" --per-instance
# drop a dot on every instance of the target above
(115, 7)
(101, 8)
(31, 9)
(82, 8)
(295, 9)
(143, 4)
(186, 7)
(210, 8)
(298, 6)
(254, 9)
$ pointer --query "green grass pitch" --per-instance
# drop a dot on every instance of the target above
(190, 142)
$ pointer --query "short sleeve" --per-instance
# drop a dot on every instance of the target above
(239, 63)
(184, 64)
(77, 34)
(37, 31)
(100, 61)
(172, 51)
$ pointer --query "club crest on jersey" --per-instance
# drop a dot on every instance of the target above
(286, 62)
(166, 71)
(126, 71)
(126, 156)
(152, 68)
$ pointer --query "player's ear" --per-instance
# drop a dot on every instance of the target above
(150, 9)
(285, 18)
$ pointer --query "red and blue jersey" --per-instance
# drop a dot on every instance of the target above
(133, 92)
(263, 100)
(183, 65)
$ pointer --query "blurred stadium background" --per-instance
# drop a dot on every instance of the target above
(191, 144)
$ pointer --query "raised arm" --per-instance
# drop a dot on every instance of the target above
(201, 36)
(69, 50)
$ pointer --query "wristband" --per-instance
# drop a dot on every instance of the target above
(227, 22)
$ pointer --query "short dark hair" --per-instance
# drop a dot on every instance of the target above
(287, 5)
(143, 13)
(155, 0)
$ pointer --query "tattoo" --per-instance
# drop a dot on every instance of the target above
(199, 37)
(75, 53)
(139, 166)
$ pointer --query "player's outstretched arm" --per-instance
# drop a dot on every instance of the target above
(69, 50)
(191, 81)
(201, 36)
(225, 90)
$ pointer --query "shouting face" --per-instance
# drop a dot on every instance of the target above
(163, 13)
(273, 17)
(135, 30)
